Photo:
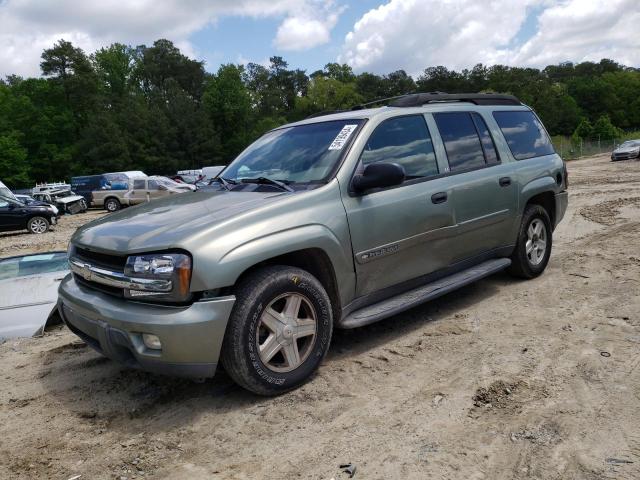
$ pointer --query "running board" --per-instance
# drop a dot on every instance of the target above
(410, 299)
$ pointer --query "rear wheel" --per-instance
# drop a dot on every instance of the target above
(112, 204)
(532, 252)
(279, 330)
(38, 225)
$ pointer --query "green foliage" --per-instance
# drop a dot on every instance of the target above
(605, 130)
(154, 109)
(13, 161)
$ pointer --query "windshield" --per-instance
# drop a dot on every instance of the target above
(306, 153)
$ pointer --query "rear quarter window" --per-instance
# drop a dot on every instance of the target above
(524, 134)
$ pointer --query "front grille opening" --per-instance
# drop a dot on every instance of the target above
(113, 262)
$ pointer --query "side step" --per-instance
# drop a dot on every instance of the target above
(410, 299)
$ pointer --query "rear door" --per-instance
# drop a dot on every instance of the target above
(400, 233)
(484, 194)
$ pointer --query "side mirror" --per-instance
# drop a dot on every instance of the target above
(378, 175)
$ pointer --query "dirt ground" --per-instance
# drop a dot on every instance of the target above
(502, 379)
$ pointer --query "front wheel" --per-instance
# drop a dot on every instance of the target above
(279, 330)
(38, 225)
(533, 249)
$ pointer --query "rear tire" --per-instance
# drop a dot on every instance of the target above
(533, 249)
(38, 225)
(112, 205)
(279, 330)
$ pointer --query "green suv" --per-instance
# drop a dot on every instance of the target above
(336, 221)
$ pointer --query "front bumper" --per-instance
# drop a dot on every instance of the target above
(562, 201)
(191, 335)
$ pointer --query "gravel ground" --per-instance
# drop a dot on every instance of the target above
(503, 379)
(57, 238)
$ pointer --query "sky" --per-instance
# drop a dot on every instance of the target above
(377, 36)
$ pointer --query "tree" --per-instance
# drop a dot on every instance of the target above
(228, 104)
(603, 129)
(13, 161)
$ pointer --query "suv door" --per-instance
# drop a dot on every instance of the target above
(400, 233)
(484, 194)
(154, 190)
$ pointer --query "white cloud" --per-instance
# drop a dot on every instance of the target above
(414, 34)
(308, 27)
(584, 30)
(29, 26)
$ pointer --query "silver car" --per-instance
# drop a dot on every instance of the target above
(627, 150)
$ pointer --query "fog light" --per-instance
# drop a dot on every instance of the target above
(152, 341)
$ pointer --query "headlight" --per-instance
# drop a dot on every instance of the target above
(173, 268)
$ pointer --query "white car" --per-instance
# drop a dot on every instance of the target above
(29, 292)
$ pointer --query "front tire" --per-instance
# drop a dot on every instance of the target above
(38, 225)
(533, 249)
(279, 330)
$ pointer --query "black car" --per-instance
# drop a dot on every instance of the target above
(37, 218)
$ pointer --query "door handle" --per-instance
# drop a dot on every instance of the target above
(439, 197)
(504, 181)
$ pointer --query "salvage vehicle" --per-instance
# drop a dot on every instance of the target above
(339, 221)
(627, 150)
(141, 190)
(36, 217)
(60, 195)
(29, 291)
(87, 184)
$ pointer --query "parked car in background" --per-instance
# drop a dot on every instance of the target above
(626, 150)
(336, 221)
(60, 195)
(29, 291)
(212, 172)
(141, 190)
(15, 215)
(87, 184)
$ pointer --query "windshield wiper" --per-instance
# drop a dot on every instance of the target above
(269, 181)
(225, 182)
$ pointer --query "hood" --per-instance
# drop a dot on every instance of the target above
(166, 223)
(626, 149)
(69, 199)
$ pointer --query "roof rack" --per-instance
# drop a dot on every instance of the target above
(419, 99)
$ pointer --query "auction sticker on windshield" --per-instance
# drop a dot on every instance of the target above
(342, 137)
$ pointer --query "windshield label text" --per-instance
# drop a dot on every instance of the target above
(342, 137)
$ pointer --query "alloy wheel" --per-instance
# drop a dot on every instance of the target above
(38, 225)
(287, 332)
(536, 245)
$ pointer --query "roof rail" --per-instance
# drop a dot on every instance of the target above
(419, 99)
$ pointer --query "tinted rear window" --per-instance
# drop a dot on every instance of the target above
(524, 133)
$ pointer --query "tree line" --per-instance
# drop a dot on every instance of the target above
(151, 108)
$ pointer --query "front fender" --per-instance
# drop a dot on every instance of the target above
(236, 261)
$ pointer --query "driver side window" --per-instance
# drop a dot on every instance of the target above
(405, 141)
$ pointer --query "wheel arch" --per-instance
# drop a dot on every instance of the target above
(541, 192)
(313, 260)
